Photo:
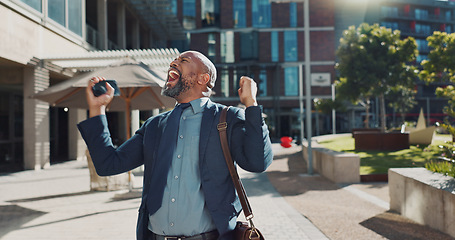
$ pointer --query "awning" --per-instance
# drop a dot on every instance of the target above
(156, 59)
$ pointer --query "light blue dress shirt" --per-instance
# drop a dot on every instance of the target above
(183, 211)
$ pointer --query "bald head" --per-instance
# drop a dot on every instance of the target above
(207, 67)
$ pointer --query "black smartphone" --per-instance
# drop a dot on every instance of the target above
(100, 88)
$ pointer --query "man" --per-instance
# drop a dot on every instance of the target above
(188, 191)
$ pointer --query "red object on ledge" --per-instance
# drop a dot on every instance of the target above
(286, 142)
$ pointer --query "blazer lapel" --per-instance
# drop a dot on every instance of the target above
(208, 119)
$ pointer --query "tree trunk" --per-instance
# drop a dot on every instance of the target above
(382, 112)
(367, 114)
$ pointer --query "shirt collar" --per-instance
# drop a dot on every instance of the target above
(198, 104)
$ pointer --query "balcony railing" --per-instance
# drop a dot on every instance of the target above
(412, 15)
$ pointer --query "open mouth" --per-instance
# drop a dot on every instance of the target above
(173, 75)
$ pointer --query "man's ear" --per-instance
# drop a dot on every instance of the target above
(203, 79)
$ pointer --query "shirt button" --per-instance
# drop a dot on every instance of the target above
(184, 118)
(179, 156)
(171, 224)
(173, 200)
(176, 177)
(181, 136)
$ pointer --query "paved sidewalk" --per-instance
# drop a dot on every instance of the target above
(56, 203)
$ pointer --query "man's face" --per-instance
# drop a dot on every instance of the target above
(181, 75)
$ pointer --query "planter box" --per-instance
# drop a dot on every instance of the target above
(423, 196)
(393, 141)
(339, 167)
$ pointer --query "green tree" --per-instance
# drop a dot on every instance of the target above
(401, 99)
(371, 60)
(440, 67)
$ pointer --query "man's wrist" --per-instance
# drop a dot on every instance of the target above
(96, 111)
(250, 103)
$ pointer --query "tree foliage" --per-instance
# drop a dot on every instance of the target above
(372, 59)
(440, 67)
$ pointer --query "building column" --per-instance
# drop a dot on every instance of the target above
(36, 120)
(77, 147)
(135, 121)
(136, 37)
(102, 24)
(121, 25)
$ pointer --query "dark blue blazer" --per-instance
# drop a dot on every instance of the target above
(249, 143)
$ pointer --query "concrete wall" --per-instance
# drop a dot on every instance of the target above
(339, 167)
(24, 36)
(423, 196)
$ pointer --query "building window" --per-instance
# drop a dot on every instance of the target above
(423, 29)
(227, 47)
(275, 46)
(210, 13)
(291, 81)
(449, 15)
(212, 46)
(189, 14)
(36, 4)
(224, 82)
(262, 83)
(388, 11)
(421, 13)
(290, 46)
(391, 25)
(56, 11)
(448, 28)
(261, 13)
(420, 58)
(422, 45)
(293, 14)
(239, 13)
(249, 46)
(75, 16)
(174, 7)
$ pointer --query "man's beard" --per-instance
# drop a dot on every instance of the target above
(180, 87)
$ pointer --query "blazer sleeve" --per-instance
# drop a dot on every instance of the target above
(107, 159)
(250, 142)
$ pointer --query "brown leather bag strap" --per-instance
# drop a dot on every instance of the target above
(222, 126)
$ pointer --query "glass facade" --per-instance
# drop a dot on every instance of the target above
(239, 13)
(421, 14)
(249, 45)
(388, 11)
(290, 46)
(275, 46)
(210, 13)
(262, 83)
(291, 81)
(293, 14)
(261, 13)
(189, 14)
(211, 53)
(75, 16)
(56, 10)
(423, 29)
(227, 47)
(224, 82)
(36, 4)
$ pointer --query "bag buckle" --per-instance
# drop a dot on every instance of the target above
(222, 126)
(256, 233)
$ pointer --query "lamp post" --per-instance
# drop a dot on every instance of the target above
(306, 30)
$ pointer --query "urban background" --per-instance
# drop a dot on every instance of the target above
(45, 42)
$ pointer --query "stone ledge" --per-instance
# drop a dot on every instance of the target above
(339, 167)
(423, 196)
